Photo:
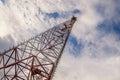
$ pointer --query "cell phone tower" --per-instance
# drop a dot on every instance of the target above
(37, 58)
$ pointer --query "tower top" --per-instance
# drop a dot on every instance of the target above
(73, 18)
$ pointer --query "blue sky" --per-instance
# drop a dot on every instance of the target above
(4, 1)
(63, 14)
(92, 51)
(76, 47)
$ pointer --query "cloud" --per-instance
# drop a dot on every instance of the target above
(92, 52)
(6, 42)
(86, 68)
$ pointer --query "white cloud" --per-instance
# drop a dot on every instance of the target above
(86, 68)
(99, 59)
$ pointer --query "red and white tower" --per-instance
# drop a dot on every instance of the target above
(37, 58)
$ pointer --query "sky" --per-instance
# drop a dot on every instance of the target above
(92, 51)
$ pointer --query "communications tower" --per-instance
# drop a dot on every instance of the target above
(37, 58)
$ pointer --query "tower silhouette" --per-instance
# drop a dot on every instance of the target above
(37, 58)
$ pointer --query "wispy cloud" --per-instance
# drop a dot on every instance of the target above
(86, 68)
(92, 51)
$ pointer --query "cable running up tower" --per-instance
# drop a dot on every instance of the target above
(37, 58)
